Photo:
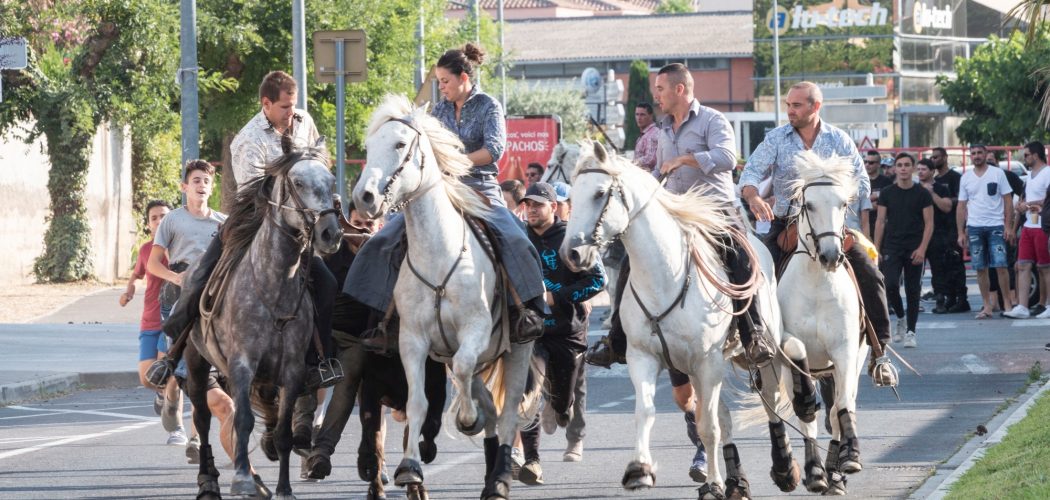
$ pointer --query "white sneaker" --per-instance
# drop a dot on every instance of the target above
(1045, 314)
(1018, 312)
(177, 438)
(517, 460)
(909, 340)
(902, 328)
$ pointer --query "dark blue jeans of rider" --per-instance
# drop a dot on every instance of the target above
(375, 269)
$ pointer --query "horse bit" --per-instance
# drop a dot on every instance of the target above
(617, 188)
(414, 146)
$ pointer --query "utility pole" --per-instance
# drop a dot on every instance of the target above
(421, 56)
(776, 61)
(502, 66)
(299, 51)
(187, 78)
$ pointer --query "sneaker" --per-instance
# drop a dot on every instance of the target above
(193, 450)
(573, 452)
(902, 328)
(1018, 312)
(1045, 314)
(158, 403)
(531, 472)
(169, 415)
(517, 459)
(177, 437)
(1037, 309)
(960, 306)
(909, 340)
(1047, 347)
(698, 470)
(548, 419)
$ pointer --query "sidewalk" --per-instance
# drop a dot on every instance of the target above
(89, 342)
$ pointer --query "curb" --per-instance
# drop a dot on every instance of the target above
(64, 383)
(938, 485)
(105, 288)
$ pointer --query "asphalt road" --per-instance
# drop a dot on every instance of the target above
(108, 444)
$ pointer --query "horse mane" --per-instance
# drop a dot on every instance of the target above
(838, 169)
(446, 146)
(253, 201)
(700, 216)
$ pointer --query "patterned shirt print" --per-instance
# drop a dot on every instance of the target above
(481, 124)
(777, 153)
(258, 144)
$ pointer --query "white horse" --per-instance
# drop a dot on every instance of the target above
(822, 330)
(562, 161)
(689, 320)
(446, 292)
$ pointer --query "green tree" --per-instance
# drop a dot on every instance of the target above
(675, 7)
(1036, 13)
(996, 91)
(90, 62)
(637, 92)
(567, 104)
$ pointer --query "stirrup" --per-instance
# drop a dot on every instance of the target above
(331, 371)
(883, 372)
(159, 372)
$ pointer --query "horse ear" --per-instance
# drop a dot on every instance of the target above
(599, 152)
(422, 109)
(320, 144)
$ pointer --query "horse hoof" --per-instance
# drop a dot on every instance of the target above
(318, 466)
(710, 492)
(208, 487)
(289, 496)
(244, 487)
(497, 491)
(836, 486)
(473, 429)
(738, 488)
(409, 472)
(787, 480)
(850, 467)
(816, 480)
(638, 476)
(428, 451)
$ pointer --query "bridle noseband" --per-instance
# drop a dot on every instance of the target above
(803, 213)
(384, 201)
(616, 187)
(310, 216)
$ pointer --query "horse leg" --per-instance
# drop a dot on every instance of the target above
(468, 420)
(197, 390)
(242, 372)
(516, 364)
(494, 488)
(413, 358)
(436, 393)
(737, 485)
(785, 471)
(708, 388)
(266, 396)
(644, 368)
(846, 377)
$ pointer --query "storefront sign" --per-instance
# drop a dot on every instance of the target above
(828, 15)
(930, 16)
(529, 139)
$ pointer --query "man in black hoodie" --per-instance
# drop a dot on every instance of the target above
(560, 350)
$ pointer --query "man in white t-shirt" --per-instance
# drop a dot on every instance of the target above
(985, 222)
(1032, 247)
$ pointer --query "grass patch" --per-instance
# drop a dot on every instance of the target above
(1016, 467)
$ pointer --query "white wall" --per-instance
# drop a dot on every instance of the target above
(24, 202)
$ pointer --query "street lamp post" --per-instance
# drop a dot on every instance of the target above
(776, 62)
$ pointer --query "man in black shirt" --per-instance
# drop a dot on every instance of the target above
(902, 235)
(947, 269)
(873, 166)
(559, 352)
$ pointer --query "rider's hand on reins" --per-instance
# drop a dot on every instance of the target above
(756, 204)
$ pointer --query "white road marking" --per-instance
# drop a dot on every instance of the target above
(91, 412)
(72, 439)
(35, 415)
(969, 363)
(1030, 322)
(933, 325)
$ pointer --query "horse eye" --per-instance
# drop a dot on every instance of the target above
(298, 184)
(599, 195)
(809, 206)
(400, 145)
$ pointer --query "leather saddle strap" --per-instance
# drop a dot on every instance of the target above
(865, 324)
(654, 321)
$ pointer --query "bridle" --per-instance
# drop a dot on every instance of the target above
(616, 187)
(310, 216)
(414, 146)
(815, 237)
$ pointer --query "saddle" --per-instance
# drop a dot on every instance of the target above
(787, 240)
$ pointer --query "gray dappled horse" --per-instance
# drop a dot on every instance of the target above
(257, 316)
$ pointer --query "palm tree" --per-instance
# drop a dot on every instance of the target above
(1036, 13)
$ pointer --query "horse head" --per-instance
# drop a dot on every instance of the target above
(600, 210)
(823, 193)
(562, 162)
(304, 194)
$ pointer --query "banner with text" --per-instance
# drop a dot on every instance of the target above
(529, 139)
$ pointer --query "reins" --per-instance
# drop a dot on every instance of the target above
(439, 290)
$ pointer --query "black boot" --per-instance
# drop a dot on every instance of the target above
(942, 304)
(961, 305)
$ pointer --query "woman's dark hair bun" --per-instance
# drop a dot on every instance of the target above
(474, 53)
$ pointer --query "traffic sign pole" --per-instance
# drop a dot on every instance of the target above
(340, 117)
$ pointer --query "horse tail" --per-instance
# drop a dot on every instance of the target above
(534, 393)
(753, 410)
(493, 375)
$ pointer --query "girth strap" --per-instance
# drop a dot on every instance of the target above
(654, 321)
(439, 291)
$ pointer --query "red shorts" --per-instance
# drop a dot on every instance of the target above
(1033, 247)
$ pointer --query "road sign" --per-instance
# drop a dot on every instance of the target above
(355, 61)
(340, 57)
(854, 113)
(12, 56)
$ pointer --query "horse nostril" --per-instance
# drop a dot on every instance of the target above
(574, 256)
(823, 259)
(368, 197)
